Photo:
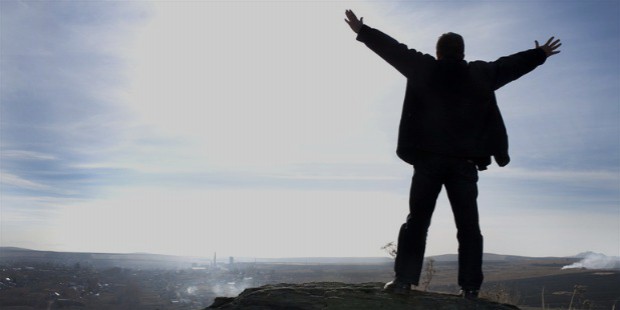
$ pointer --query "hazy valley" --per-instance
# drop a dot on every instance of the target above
(40, 279)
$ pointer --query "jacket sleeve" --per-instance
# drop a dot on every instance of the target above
(509, 68)
(395, 53)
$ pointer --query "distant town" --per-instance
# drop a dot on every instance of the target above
(45, 286)
(52, 280)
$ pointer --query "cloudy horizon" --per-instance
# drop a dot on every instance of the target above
(264, 129)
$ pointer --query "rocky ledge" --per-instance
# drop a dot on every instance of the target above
(333, 295)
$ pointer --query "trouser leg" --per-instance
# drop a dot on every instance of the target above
(412, 236)
(462, 192)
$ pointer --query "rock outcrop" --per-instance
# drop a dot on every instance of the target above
(334, 295)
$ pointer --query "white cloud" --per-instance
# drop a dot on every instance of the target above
(596, 261)
(17, 181)
(28, 155)
(610, 178)
(249, 86)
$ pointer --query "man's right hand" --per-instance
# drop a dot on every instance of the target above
(550, 47)
(354, 23)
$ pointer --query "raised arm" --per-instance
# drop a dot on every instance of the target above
(395, 53)
(510, 68)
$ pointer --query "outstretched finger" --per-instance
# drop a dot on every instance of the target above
(549, 41)
(350, 15)
(537, 45)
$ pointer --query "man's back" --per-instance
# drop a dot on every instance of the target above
(449, 106)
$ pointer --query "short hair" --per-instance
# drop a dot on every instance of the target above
(451, 45)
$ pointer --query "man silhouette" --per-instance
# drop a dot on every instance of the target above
(450, 128)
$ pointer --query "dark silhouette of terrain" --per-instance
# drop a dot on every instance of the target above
(334, 295)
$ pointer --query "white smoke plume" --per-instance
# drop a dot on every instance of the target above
(596, 261)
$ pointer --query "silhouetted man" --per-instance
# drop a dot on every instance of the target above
(450, 128)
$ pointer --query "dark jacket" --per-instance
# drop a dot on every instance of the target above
(450, 106)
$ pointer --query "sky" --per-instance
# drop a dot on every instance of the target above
(264, 129)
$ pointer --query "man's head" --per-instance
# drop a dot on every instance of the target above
(451, 46)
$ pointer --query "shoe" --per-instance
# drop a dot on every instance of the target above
(469, 294)
(397, 287)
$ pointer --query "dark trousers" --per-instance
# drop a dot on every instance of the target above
(460, 178)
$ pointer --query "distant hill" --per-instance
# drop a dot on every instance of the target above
(8, 254)
(489, 257)
(145, 260)
(10, 248)
(319, 260)
(589, 254)
(97, 260)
